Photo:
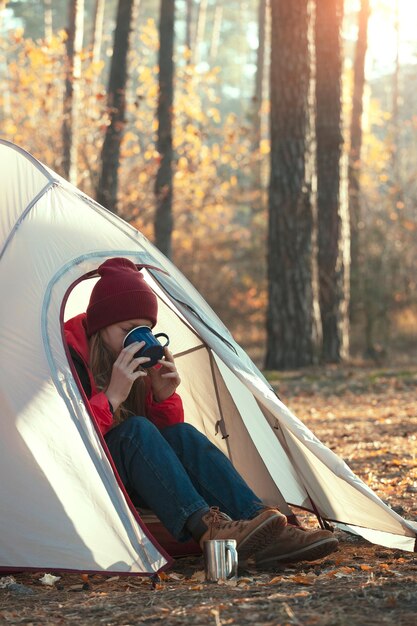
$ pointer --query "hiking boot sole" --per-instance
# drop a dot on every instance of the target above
(308, 553)
(261, 537)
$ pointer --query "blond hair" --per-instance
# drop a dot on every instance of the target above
(101, 364)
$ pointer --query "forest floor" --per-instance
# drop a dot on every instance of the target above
(369, 417)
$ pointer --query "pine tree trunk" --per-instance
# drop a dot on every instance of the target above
(259, 76)
(189, 27)
(356, 244)
(395, 119)
(47, 19)
(291, 303)
(163, 185)
(215, 36)
(333, 262)
(97, 35)
(200, 29)
(257, 101)
(6, 112)
(116, 99)
(72, 90)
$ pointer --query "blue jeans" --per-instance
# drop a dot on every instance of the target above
(177, 471)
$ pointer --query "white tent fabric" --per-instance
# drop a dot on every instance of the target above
(62, 506)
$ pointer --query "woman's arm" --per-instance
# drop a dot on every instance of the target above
(99, 403)
(164, 405)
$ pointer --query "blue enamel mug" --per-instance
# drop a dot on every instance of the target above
(152, 348)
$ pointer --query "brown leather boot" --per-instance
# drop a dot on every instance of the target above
(296, 544)
(251, 535)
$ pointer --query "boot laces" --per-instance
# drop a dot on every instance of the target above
(219, 519)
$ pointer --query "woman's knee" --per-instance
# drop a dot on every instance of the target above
(135, 426)
(182, 431)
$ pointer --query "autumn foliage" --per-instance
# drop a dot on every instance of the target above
(218, 239)
(219, 209)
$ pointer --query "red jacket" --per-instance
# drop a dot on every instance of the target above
(162, 414)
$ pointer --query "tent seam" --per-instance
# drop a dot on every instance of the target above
(49, 185)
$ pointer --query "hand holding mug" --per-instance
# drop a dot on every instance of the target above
(164, 378)
(126, 369)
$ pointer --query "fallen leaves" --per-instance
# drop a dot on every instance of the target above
(49, 579)
(303, 579)
(360, 579)
(365, 568)
(275, 580)
(7, 581)
(199, 576)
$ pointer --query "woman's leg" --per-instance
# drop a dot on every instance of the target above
(148, 466)
(211, 472)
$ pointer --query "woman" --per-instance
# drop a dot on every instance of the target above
(165, 464)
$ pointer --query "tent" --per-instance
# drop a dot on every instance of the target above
(63, 507)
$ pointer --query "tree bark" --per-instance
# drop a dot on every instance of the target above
(189, 28)
(200, 30)
(256, 108)
(291, 298)
(116, 99)
(215, 36)
(333, 233)
(259, 76)
(395, 118)
(47, 19)
(355, 160)
(6, 107)
(72, 90)
(163, 223)
(97, 35)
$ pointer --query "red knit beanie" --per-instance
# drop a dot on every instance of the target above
(121, 294)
